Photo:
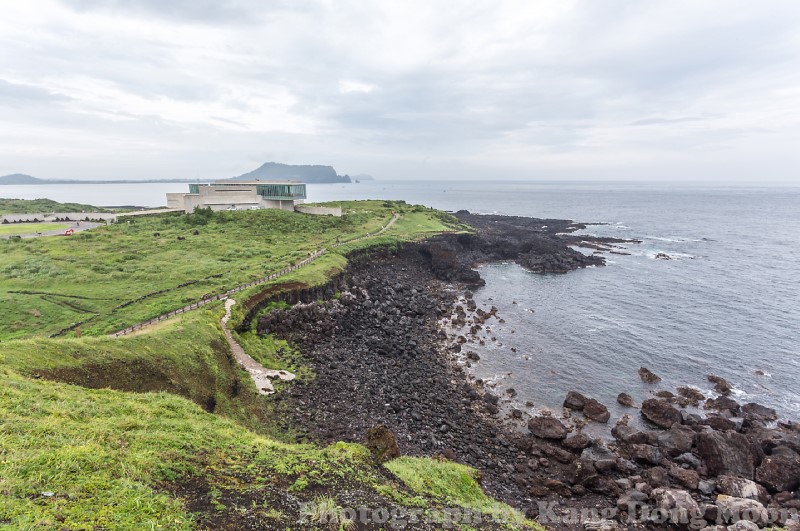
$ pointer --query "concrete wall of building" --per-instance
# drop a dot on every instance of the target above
(176, 200)
(60, 216)
(282, 205)
(190, 201)
(245, 198)
(319, 211)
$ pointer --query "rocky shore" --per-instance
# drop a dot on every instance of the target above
(382, 357)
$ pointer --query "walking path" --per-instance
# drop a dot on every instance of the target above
(260, 375)
(221, 296)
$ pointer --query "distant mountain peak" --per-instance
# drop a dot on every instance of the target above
(311, 173)
(19, 178)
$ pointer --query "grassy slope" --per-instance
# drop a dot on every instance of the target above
(48, 284)
(78, 458)
(103, 454)
(36, 206)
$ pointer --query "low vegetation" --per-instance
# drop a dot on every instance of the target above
(453, 485)
(36, 206)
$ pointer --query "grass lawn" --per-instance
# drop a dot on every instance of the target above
(30, 228)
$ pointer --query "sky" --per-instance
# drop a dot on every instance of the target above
(687, 90)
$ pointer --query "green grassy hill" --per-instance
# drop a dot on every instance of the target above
(162, 429)
(35, 206)
(112, 277)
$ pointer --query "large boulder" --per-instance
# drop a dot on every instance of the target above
(732, 509)
(723, 403)
(577, 442)
(741, 488)
(660, 413)
(559, 454)
(626, 400)
(715, 422)
(727, 453)
(688, 478)
(679, 504)
(721, 385)
(547, 428)
(676, 440)
(381, 442)
(596, 411)
(766, 413)
(648, 376)
(583, 472)
(780, 471)
(646, 453)
(656, 477)
(691, 395)
(575, 401)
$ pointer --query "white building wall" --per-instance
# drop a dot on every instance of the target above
(175, 200)
(319, 211)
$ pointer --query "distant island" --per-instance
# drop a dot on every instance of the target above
(312, 174)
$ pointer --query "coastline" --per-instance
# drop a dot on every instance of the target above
(382, 358)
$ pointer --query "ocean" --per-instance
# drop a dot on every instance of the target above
(726, 303)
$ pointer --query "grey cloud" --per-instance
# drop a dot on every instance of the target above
(659, 121)
(211, 11)
(19, 94)
(585, 82)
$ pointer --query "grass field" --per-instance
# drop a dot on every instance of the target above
(30, 228)
(161, 430)
(110, 277)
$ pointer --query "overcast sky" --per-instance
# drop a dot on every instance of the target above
(594, 89)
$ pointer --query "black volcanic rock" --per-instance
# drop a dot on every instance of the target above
(727, 453)
(780, 472)
(596, 411)
(764, 412)
(625, 399)
(660, 413)
(648, 376)
(575, 400)
(676, 440)
(721, 385)
(547, 428)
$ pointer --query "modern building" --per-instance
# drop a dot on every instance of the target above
(240, 195)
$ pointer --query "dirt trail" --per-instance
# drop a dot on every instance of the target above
(261, 375)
